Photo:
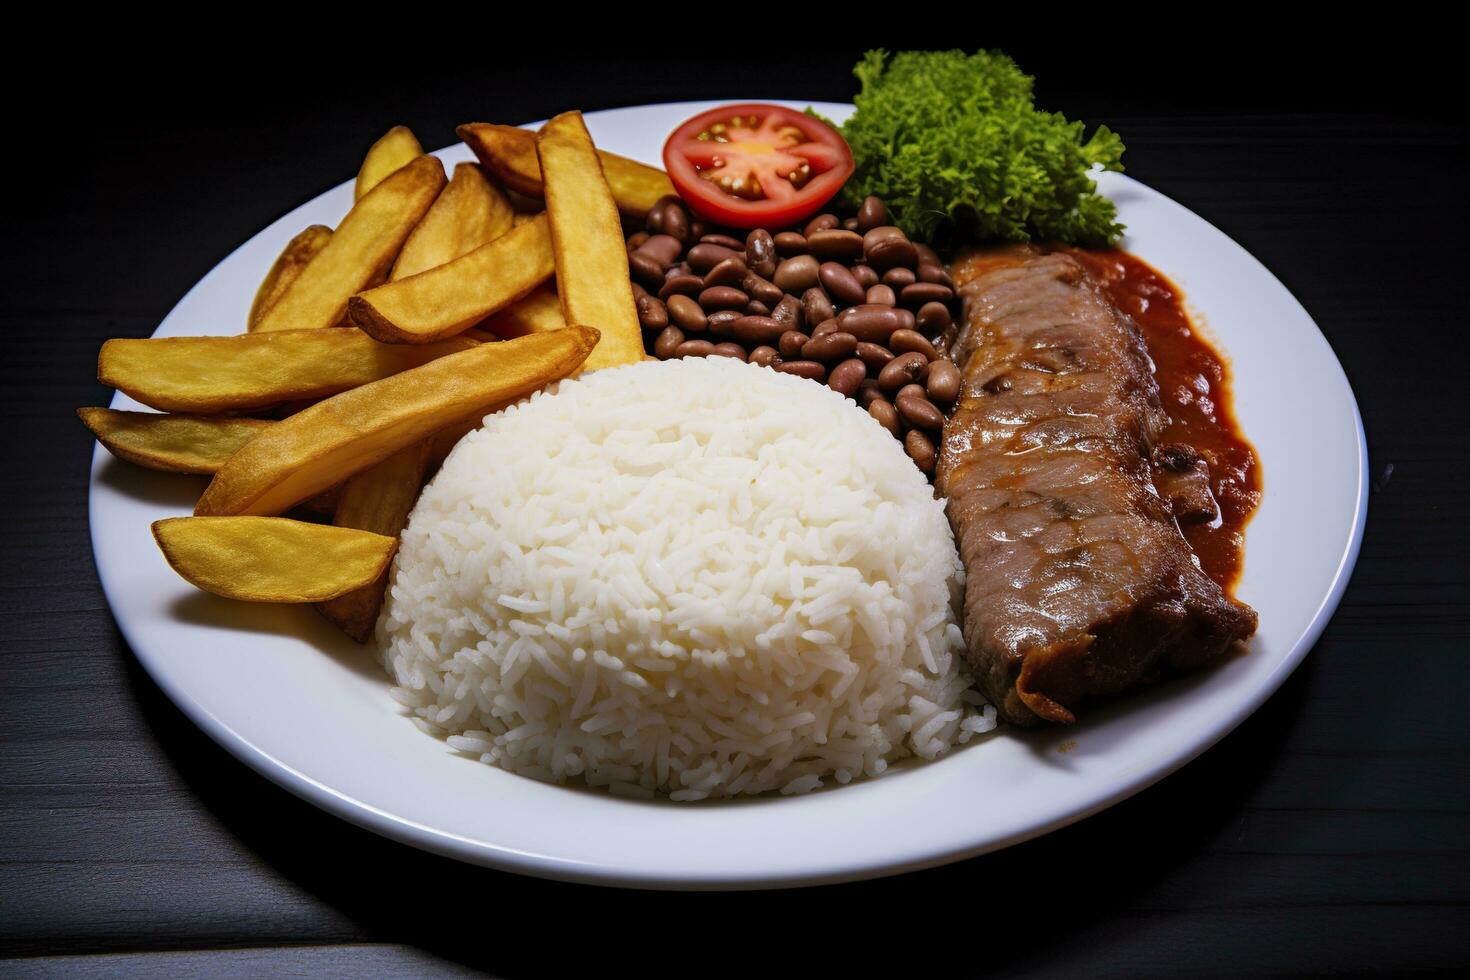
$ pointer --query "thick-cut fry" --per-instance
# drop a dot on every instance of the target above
(376, 500)
(173, 443)
(538, 312)
(587, 241)
(521, 217)
(510, 156)
(297, 254)
(393, 150)
(446, 300)
(272, 559)
(344, 435)
(360, 250)
(470, 211)
(209, 375)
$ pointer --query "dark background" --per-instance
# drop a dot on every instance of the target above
(1326, 835)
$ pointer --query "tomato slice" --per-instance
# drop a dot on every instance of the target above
(756, 166)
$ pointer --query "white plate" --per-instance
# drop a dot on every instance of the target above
(293, 699)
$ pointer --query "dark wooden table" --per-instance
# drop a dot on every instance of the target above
(1327, 834)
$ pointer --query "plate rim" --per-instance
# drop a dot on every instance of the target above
(459, 847)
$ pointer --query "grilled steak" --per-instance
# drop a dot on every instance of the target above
(1079, 583)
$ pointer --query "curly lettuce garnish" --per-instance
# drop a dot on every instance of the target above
(955, 146)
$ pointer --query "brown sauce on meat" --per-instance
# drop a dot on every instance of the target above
(1194, 385)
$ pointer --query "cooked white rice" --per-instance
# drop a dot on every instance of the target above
(694, 577)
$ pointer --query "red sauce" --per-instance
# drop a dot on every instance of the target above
(1194, 385)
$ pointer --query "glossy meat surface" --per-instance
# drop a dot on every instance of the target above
(1079, 583)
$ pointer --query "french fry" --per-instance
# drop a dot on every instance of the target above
(377, 500)
(298, 252)
(587, 242)
(537, 312)
(344, 435)
(210, 375)
(172, 443)
(510, 156)
(272, 559)
(360, 250)
(469, 212)
(393, 150)
(521, 217)
(448, 299)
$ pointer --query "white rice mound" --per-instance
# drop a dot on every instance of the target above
(695, 577)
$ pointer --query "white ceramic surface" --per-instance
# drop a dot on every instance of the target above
(282, 691)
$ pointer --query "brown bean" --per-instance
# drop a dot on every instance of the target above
(639, 290)
(788, 313)
(663, 249)
(789, 243)
(851, 224)
(865, 276)
(803, 369)
(902, 370)
(886, 246)
(676, 221)
(719, 323)
(816, 307)
(704, 256)
(846, 377)
(723, 298)
(680, 269)
(698, 229)
(933, 273)
(756, 330)
(826, 326)
(904, 341)
(821, 222)
(926, 254)
(646, 270)
(898, 277)
(636, 239)
(760, 253)
(868, 392)
(870, 323)
(765, 356)
(911, 389)
(728, 273)
(933, 318)
(667, 342)
(790, 344)
(943, 383)
(840, 283)
(687, 313)
(729, 350)
(680, 284)
(874, 355)
(654, 222)
(756, 308)
(917, 410)
(694, 348)
(724, 241)
(872, 214)
(881, 295)
(834, 346)
(887, 416)
(651, 313)
(835, 244)
(797, 274)
(920, 450)
(917, 294)
(758, 287)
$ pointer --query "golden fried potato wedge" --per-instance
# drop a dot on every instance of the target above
(295, 257)
(451, 298)
(393, 150)
(173, 443)
(510, 156)
(377, 500)
(537, 312)
(210, 375)
(360, 251)
(344, 435)
(272, 559)
(587, 241)
(470, 211)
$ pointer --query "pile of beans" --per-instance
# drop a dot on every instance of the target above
(853, 304)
